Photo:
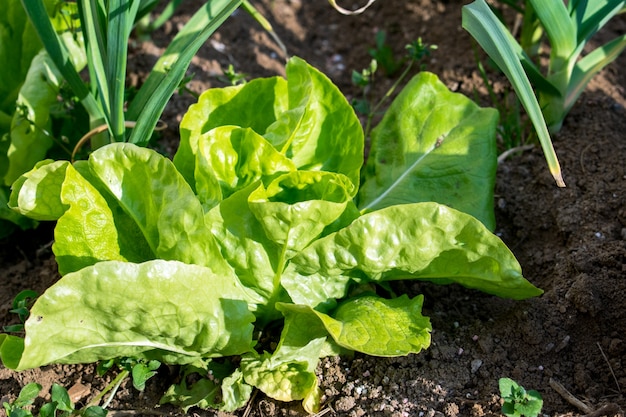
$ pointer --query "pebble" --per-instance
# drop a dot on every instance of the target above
(475, 365)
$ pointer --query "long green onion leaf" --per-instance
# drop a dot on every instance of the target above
(170, 69)
(39, 17)
(493, 37)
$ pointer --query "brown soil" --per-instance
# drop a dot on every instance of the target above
(571, 242)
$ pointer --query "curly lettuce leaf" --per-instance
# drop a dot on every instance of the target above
(258, 229)
(374, 325)
(37, 193)
(152, 192)
(295, 208)
(164, 310)
(243, 243)
(287, 374)
(427, 241)
(433, 145)
(230, 158)
(305, 118)
(320, 131)
(254, 105)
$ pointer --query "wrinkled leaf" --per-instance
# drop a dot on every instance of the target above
(255, 104)
(425, 241)
(376, 326)
(320, 131)
(306, 118)
(295, 208)
(230, 158)
(162, 310)
(433, 145)
(288, 374)
(152, 192)
(243, 243)
(86, 231)
(37, 193)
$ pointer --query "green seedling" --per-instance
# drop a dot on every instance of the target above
(60, 404)
(415, 52)
(569, 26)
(21, 306)
(384, 56)
(233, 77)
(517, 401)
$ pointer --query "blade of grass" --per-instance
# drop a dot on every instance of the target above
(493, 37)
(595, 15)
(165, 15)
(170, 69)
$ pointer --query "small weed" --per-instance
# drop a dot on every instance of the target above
(60, 404)
(232, 77)
(383, 54)
(21, 306)
(517, 401)
(415, 52)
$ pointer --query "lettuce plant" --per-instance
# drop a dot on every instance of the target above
(265, 218)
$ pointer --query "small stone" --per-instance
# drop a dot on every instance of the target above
(475, 365)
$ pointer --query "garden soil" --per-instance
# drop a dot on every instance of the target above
(569, 343)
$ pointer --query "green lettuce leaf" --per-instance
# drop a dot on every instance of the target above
(374, 325)
(243, 243)
(206, 391)
(295, 208)
(87, 230)
(37, 193)
(163, 310)
(320, 131)
(426, 241)
(152, 192)
(433, 145)
(305, 118)
(287, 374)
(230, 158)
(254, 105)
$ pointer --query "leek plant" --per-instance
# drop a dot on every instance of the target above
(106, 27)
(548, 97)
